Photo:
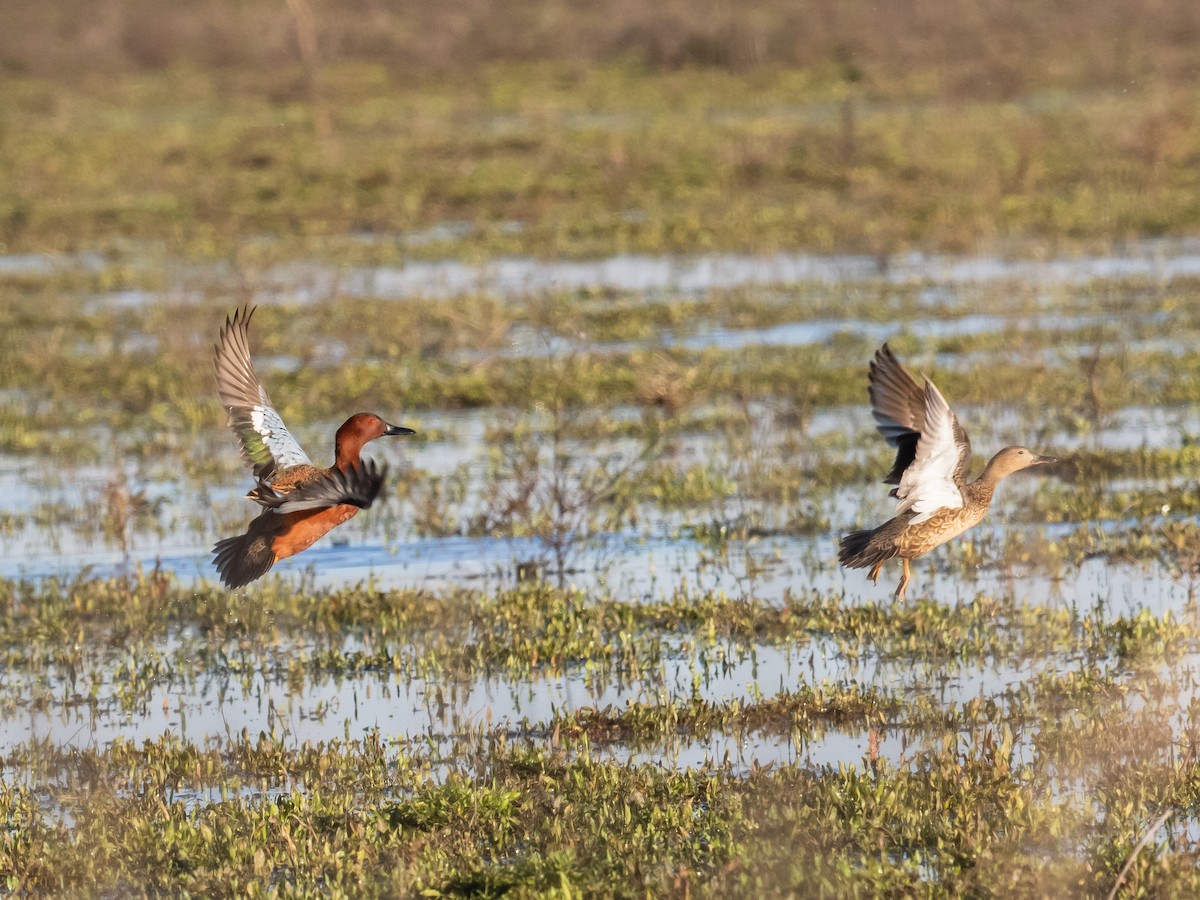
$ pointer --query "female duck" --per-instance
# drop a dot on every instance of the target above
(937, 503)
(301, 501)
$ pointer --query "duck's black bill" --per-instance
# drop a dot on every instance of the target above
(1045, 460)
(398, 430)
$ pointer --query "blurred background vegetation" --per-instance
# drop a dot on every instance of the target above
(963, 49)
(581, 129)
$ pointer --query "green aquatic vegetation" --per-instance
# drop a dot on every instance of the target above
(963, 786)
(611, 316)
(1142, 463)
(968, 814)
(1098, 502)
(1020, 743)
(519, 632)
(146, 371)
(1172, 543)
(788, 712)
(692, 486)
(538, 616)
(1023, 785)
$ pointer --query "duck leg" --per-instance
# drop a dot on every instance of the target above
(903, 582)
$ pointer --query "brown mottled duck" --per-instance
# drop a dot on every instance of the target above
(937, 503)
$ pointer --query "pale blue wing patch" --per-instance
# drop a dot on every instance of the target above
(274, 438)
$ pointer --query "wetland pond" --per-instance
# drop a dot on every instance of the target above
(669, 450)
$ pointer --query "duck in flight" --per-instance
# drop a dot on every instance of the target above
(301, 502)
(937, 503)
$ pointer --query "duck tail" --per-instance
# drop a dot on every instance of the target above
(860, 549)
(243, 559)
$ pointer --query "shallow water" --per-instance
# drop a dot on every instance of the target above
(651, 558)
(1150, 259)
(526, 343)
(222, 705)
(1154, 260)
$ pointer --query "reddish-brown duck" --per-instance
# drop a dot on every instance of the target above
(301, 502)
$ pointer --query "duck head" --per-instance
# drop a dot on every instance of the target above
(1013, 459)
(358, 430)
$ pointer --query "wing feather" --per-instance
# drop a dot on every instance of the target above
(898, 405)
(357, 486)
(935, 478)
(267, 445)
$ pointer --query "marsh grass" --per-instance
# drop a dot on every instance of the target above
(612, 159)
(146, 368)
(491, 737)
(546, 804)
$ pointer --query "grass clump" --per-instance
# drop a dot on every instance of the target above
(970, 791)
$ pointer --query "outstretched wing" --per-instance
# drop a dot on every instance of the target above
(934, 479)
(898, 404)
(266, 443)
(900, 408)
(357, 486)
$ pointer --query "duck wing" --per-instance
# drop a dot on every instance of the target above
(934, 479)
(898, 404)
(357, 486)
(267, 445)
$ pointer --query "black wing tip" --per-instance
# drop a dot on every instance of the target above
(885, 358)
(897, 401)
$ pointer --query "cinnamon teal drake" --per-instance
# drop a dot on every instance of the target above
(301, 502)
(937, 503)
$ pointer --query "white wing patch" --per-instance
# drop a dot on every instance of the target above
(266, 444)
(277, 440)
(929, 484)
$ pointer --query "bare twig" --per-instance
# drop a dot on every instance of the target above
(1141, 845)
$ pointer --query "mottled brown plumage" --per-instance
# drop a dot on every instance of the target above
(937, 503)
